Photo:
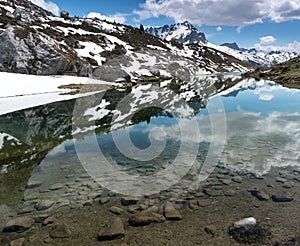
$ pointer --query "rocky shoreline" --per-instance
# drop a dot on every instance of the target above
(203, 216)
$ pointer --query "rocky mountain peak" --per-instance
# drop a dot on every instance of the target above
(184, 33)
(233, 45)
(21, 12)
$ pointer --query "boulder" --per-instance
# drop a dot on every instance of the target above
(110, 73)
(129, 200)
(170, 212)
(115, 230)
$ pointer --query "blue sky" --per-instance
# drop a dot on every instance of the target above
(251, 23)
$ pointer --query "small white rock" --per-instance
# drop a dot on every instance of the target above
(245, 222)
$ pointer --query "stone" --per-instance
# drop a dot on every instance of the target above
(157, 218)
(19, 224)
(49, 220)
(129, 200)
(152, 209)
(33, 184)
(114, 231)
(103, 200)
(211, 192)
(237, 179)
(260, 195)
(40, 218)
(115, 210)
(245, 222)
(288, 185)
(229, 192)
(57, 186)
(200, 195)
(248, 231)
(60, 231)
(88, 203)
(170, 212)
(281, 180)
(17, 242)
(95, 195)
(26, 210)
(282, 197)
(140, 220)
(44, 205)
(133, 209)
(31, 197)
(203, 203)
(194, 207)
(64, 203)
(226, 181)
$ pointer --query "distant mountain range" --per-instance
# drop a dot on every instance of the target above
(186, 33)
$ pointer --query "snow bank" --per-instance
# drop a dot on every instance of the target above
(20, 91)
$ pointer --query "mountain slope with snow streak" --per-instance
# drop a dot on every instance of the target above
(34, 41)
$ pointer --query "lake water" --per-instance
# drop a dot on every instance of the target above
(150, 142)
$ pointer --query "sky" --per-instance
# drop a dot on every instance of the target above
(263, 24)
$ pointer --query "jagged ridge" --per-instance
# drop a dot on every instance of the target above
(186, 33)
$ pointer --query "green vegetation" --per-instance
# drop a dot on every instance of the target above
(286, 74)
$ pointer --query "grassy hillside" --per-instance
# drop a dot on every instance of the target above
(287, 73)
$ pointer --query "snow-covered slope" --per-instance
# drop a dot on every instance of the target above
(256, 57)
(33, 41)
(20, 91)
(186, 33)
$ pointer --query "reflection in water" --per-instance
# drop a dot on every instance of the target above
(262, 130)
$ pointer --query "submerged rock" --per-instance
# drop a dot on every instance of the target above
(130, 200)
(103, 200)
(146, 218)
(170, 212)
(17, 242)
(44, 205)
(237, 179)
(115, 210)
(114, 231)
(57, 186)
(19, 224)
(260, 195)
(34, 184)
(282, 197)
(140, 220)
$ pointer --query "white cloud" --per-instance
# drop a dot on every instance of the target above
(266, 97)
(267, 40)
(221, 12)
(291, 47)
(119, 18)
(219, 29)
(50, 6)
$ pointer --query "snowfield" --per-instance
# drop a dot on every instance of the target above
(21, 91)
